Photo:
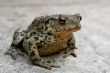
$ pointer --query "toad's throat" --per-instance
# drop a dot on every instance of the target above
(67, 29)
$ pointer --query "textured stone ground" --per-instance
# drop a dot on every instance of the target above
(93, 40)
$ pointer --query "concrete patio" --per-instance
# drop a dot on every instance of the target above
(93, 40)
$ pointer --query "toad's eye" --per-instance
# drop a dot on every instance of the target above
(62, 22)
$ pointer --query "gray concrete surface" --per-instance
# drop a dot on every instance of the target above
(93, 40)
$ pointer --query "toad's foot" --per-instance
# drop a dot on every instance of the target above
(71, 47)
(13, 55)
(13, 52)
(44, 64)
(68, 52)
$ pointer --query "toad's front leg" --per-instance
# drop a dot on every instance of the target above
(71, 47)
(32, 50)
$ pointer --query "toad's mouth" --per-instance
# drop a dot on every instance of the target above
(68, 29)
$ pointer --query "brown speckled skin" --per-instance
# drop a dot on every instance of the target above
(47, 35)
(58, 45)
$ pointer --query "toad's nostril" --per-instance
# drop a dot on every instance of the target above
(80, 18)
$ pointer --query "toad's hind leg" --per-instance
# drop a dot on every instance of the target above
(71, 47)
(15, 47)
(18, 36)
(13, 52)
(31, 49)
